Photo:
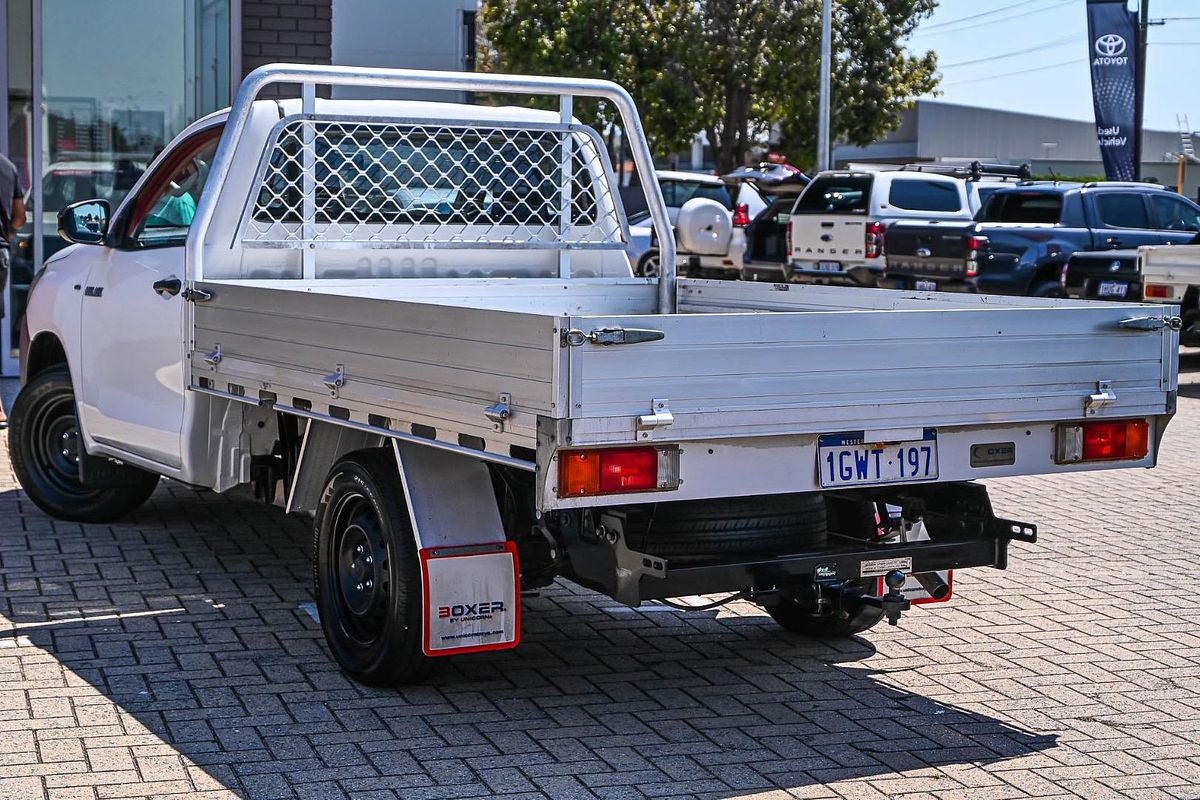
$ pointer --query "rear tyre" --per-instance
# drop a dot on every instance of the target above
(45, 447)
(772, 524)
(366, 572)
(647, 265)
(793, 617)
(1048, 289)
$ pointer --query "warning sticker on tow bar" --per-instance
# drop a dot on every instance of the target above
(882, 566)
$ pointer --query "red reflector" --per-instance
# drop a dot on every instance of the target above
(1107, 441)
(1157, 290)
(741, 215)
(609, 471)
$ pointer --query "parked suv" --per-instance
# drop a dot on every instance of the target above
(1023, 237)
(839, 221)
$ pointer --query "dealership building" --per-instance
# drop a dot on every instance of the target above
(934, 131)
(96, 89)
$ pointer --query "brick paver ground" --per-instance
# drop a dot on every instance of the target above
(172, 655)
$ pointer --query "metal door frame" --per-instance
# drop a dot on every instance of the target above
(9, 365)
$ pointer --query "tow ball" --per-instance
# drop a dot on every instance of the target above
(894, 603)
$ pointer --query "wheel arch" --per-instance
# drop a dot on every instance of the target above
(46, 350)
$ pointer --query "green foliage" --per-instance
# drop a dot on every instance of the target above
(736, 69)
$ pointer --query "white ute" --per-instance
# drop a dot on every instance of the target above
(420, 320)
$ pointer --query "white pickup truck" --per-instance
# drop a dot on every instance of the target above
(420, 319)
(1171, 274)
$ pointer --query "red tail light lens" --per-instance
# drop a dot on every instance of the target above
(584, 473)
(976, 249)
(1157, 290)
(741, 215)
(1120, 440)
(873, 239)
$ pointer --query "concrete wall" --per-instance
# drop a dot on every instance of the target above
(418, 34)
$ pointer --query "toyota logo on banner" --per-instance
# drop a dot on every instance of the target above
(1110, 45)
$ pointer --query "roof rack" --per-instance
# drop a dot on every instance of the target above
(1139, 184)
(973, 171)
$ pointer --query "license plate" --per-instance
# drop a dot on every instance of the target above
(1112, 289)
(829, 266)
(925, 286)
(849, 459)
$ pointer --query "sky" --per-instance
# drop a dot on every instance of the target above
(1032, 56)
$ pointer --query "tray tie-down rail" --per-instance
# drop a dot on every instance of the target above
(963, 532)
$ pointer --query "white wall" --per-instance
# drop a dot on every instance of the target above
(418, 34)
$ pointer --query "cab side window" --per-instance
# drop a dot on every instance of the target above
(1123, 210)
(164, 209)
(1173, 214)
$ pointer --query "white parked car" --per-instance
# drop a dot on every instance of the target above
(677, 187)
(839, 221)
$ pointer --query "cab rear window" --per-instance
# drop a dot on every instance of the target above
(919, 195)
(1033, 207)
(831, 194)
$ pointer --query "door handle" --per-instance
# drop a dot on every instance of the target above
(168, 286)
(1113, 241)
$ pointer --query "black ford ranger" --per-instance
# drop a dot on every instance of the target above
(1023, 236)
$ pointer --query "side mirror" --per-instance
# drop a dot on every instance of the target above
(85, 222)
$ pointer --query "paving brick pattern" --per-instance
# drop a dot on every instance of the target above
(171, 655)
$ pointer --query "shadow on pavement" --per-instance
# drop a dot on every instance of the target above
(194, 636)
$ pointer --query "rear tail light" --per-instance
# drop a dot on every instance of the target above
(788, 234)
(741, 215)
(617, 470)
(1157, 290)
(1118, 440)
(873, 239)
(976, 250)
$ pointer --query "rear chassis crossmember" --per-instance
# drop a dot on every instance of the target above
(963, 532)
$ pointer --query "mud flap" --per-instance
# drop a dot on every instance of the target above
(472, 600)
(470, 578)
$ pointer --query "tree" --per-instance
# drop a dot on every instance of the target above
(739, 70)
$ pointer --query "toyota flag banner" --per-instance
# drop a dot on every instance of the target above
(1112, 49)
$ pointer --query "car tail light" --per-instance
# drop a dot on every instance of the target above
(1117, 440)
(617, 470)
(787, 232)
(1157, 290)
(873, 239)
(741, 215)
(976, 249)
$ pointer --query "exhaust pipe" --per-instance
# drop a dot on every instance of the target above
(932, 583)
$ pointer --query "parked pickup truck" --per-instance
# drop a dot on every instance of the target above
(1022, 237)
(1172, 275)
(419, 319)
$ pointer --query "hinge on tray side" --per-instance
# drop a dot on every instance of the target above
(214, 358)
(1103, 395)
(499, 412)
(659, 417)
(335, 381)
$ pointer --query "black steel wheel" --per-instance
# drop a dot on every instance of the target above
(45, 449)
(366, 573)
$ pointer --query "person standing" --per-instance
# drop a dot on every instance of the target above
(12, 217)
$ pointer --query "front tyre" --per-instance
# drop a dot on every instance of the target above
(367, 576)
(45, 448)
